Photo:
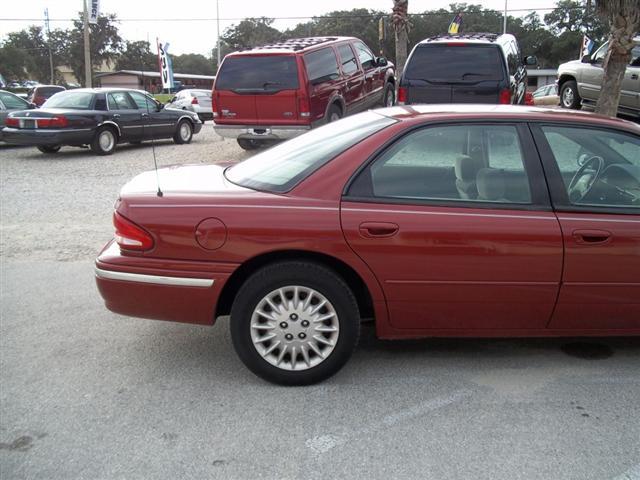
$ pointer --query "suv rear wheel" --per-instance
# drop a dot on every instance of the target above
(49, 148)
(569, 96)
(335, 113)
(388, 98)
(249, 144)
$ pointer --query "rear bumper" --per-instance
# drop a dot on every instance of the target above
(176, 291)
(258, 132)
(20, 136)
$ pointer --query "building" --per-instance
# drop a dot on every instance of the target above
(540, 77)
(150, 81)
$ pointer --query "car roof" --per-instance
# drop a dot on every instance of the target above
(442, 112)
(293, 45)
(107, 90)
(480, 37)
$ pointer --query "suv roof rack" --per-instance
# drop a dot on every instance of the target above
(492, 37)
(294, 44)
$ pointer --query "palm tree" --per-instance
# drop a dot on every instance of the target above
(624, 22)
(400, 21)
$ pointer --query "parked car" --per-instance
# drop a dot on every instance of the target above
(546, 95)
(454, 221)
(8, 103)
(580, 81)
(465, 68)
(279, 91)
(194, 100)
(100, 118)
(39, 94)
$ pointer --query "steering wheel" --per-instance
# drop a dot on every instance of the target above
(585, 178)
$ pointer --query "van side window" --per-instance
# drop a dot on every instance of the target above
(349, 64)
(367, 60)
(322, 65)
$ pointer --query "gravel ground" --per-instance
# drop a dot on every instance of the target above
(87, 394)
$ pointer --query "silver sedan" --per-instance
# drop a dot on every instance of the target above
(195, 100)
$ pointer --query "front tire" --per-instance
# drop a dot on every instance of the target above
(295, 323)
(104, 143)
(49, 148)
(184, 132)
(569, 96)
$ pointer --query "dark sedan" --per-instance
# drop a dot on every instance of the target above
(8, 103)
(100, 118)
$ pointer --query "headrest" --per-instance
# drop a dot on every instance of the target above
(467, 168)
(491, 184)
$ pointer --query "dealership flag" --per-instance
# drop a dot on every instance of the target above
(94, 11)
(587, 46)
(164, 61)
(454, 26)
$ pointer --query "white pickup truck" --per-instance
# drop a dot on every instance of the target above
(580, 81)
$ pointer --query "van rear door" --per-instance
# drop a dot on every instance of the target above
(257, 89)
(455, 72)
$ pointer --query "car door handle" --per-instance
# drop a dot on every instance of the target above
(144, 115)
(591, 237)
(378, 229)
(116, 115)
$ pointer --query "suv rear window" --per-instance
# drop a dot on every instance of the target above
(322, 65)
(258, 73)
(456, 63)
(48, 91)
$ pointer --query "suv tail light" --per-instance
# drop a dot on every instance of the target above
(130, 236)
(194, 101)
(38, 100)
(12, 122)
(303, 107)
(54, 122)
(402, 95)
(214, 107)
(505, 96)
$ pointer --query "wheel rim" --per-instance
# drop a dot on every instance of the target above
(185, 131)
(567, 97)
(106, 140)
(389, 100)
(294, 328)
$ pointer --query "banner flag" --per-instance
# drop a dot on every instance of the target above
(164, 63)
(94, 11)
(454, 26)
(587, 46)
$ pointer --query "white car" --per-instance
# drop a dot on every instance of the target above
(194, 100)
(546, 95)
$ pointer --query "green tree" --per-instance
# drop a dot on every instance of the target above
(251, 32)
(137, 56)
(26, 54)
(193, 63)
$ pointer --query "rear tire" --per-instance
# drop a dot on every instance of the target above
(569, 96)
(388, 99)
(184, 132)
(49, 148)
(308, 346)
(249, 144)
(105, 141)
(335, 114)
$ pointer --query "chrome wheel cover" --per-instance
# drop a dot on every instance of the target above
(185, 131)
(567, 97)
(106, 140)
(294, 328)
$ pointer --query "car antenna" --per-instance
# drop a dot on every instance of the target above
(153, 142)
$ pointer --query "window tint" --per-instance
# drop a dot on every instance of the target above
(48, 91)
(143, 102)
(459, 63)
(280, 168)
(322, 65)
(72, 100)
(480, 163)
(348, 59)
(120, 101)
(367, 59)
(11, 102)
(262, 73)
(598, 167)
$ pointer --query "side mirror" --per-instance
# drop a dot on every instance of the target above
(530, 60)
(586, 58)
(381, 62)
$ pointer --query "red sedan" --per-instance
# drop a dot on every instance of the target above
(434, 221)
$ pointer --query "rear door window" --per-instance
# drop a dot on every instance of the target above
(348, 59)
(322, 65)
(12, 102)
(120, 101)
(269, 73)
(465, 63)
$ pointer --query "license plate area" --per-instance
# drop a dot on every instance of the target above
(27, 124)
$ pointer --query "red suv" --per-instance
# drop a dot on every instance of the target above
(278, 91)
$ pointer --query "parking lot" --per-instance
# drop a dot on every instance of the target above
(87, 394)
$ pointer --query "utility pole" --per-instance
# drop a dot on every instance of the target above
(504, 27)
(218, 27)
(87, 54)
(46, 22)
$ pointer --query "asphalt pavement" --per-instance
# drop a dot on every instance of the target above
(87, 394)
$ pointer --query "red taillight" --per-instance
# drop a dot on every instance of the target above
(505, 96)
(303, 107)
(130, 236)
(12, 122)
(194, 101)
(214, 107)
(528, 99)
(54, 122)
(402, 95)
(38, 100)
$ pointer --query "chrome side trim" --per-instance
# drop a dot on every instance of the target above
(109, 122)
(155, 279)
(453, 214)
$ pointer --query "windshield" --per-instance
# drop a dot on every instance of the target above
(71, 100)
(456, 63)
(262, 73)
(280, 168)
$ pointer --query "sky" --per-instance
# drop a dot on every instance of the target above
(146, 20)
